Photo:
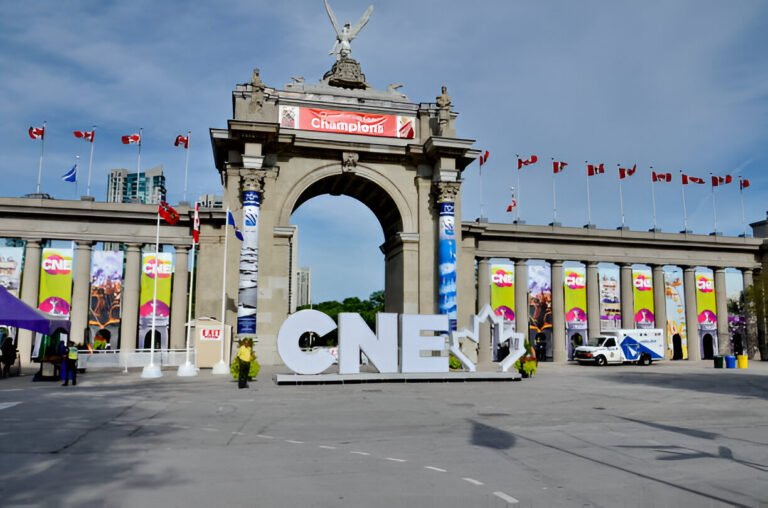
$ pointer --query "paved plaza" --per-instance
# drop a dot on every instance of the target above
(672, 434)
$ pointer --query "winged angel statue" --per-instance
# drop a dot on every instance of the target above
(347, 33)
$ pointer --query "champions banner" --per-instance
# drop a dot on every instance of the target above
(10, 269)
(610, 306)
(503, 291)
(642, 290)
(447, 263)
(706, 309)
(162, 307)
(55, 296)
(347, 122)
(677, 338)
(575, 287)
(106, 291)
(249, 265)
(540, 306)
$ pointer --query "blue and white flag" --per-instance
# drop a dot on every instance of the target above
(231, 222)
(71, 175)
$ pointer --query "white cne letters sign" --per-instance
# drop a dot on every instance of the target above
(410, 335)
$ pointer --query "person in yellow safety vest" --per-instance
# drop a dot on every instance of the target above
(71, 364)
(244, 356)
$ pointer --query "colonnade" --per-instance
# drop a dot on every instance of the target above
(129, 299)
(755, 327)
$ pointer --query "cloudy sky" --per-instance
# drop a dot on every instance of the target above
(677, 85)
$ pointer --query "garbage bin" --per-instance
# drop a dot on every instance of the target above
(718, 362)
(730, 362)
(742, 361)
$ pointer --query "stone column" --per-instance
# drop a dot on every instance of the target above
(447, 193)
(129, 323)
(593, 299)
(749, 316)
(759, 295)
(691, 317)
(30, 287)
(521, 297)
(627, 297)
(559, 352)
(179, 298)
(81, 300)
(660, 306)
(721, 307)
(483, 299)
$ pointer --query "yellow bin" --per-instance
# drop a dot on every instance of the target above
(742, 361)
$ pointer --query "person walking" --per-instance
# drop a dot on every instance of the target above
(9, 356)
(244, 358)
(71, 363)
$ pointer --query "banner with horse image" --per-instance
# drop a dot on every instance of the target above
(55, 295)
(106, 292)
(677, 337)
(540, 306)
(610, 303)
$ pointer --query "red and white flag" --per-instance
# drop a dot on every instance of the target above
(512, 205)
(526, 162)
(181, 141)
(627, 172)
(85, 135)
(37, 132)
(661, 177)
(721, 180)
(595, 169)
(168, 213)
(692, 179)
(132, 139)
(196, 224)
(484, 157)
(743, 183)
(558, 166)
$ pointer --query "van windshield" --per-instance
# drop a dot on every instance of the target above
(597, 341)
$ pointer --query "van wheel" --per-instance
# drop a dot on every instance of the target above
(601, 361)
(644, 360)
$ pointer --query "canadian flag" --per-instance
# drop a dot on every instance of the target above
(721, 180)
(626, 172)
(558, 166)
(484, 157)
(743, 183)
(196, 224)
(37, 132)
(132, 139)
(692, 179)
(525, 162)
(661, 177)
(512, 205)
(181, 141)
(85, 135)
(593, 169)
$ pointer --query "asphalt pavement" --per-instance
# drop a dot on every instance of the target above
(672, 434)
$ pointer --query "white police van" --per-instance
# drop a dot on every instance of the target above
(621, 346)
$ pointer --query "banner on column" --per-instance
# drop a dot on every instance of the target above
(642, 291)
(503, 291)
(447, 263)
(540, 306)
(161, 307)
(677, 336)
(55, 296)
(10, 269)
(706, 311)
(575, 298)
(610, 306)
(249, 265)
(106, 291)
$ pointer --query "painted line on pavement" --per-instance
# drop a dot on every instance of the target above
(326, 447)
(393, 459)
(438, 469)
(6, 405)
(293, 441)
(209, 429)
(264, 436)
(360, 453)
(473, 481)
(506, 497)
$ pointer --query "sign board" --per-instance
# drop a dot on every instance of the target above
(347, 122)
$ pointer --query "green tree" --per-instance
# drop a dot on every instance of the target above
(366, 308)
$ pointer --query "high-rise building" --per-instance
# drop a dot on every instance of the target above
(121, 186)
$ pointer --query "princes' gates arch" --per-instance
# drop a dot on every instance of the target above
(401, 159)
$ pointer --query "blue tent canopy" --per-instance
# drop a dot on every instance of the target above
(14, 312)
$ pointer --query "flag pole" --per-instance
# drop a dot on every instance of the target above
(621, 199)
(554, 198)
(138, 166)
(741, 198)
(482, 206)
(517, 196)
(221, 367)
(189, 370)
(653, 199)
(589, 202)
(685, 210)
(186, 164)
(90, 162)
(40, 165)
(152, 370)
(714, 206)
(77, 160)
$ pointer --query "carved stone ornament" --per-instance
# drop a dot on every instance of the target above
(257, 92)
(446, 192)
(346, 73)
(349, 162)
(254, 181)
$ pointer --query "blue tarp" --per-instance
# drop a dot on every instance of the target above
(14, 312)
